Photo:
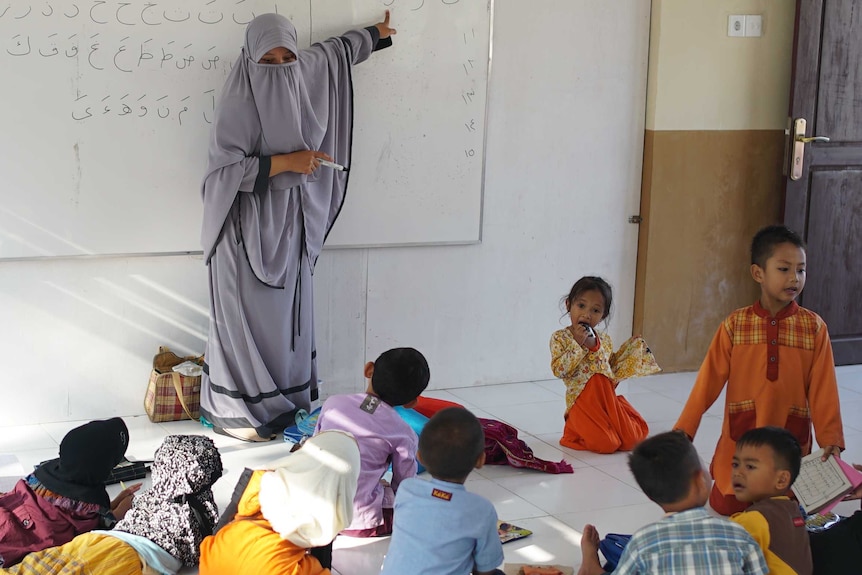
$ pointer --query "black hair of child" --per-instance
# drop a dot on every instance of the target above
(451, 443)
(663, 466)
(400, 375)
(764, 242)
(590, 283)
(785, 447)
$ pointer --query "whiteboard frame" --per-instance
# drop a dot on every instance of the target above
(478, 240)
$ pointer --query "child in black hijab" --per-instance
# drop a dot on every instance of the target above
(66, 496)
(163, 530)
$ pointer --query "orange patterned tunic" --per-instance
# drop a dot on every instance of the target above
(778, 370)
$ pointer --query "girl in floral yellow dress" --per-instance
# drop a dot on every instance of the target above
(597, 419)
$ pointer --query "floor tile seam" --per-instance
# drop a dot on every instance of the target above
(516, 495)
(638, 489)
(671, 398)
(557, 446)
(601, 508)
(510, 519)
(551, 511)
(528, 437)
(560, 400)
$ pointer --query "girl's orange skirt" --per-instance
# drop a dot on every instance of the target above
(602, 421)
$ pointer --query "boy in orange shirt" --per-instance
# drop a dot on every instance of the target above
(775, 358)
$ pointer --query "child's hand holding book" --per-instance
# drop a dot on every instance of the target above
(823, 484)
(856, 493)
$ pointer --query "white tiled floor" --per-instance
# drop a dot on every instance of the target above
(555, 507)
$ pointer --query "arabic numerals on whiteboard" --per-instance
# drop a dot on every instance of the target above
(468, 92)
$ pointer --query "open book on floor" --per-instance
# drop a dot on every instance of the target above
(509, 532)
(822, 484)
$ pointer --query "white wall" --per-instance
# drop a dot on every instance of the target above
(565, 138)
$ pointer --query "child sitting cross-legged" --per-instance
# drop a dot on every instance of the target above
(395, 379)
(765, 465)
(440, 527)
(688, 539)
(283, 520)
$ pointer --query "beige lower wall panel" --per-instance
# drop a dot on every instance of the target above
(707, 193)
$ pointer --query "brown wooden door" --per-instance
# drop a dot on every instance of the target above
(825, 203)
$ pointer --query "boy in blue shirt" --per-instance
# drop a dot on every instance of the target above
(439, 526)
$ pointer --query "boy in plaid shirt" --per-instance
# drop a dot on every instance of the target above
(688, 539)
(776, 359)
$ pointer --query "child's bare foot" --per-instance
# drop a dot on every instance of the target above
(590, 564)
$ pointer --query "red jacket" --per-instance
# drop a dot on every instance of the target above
(29, 523)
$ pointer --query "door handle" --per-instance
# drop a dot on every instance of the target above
(798, 145)
(810, 139)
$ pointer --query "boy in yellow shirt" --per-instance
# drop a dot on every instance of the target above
(765, 465)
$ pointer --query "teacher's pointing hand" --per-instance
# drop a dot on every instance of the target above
(383, 27)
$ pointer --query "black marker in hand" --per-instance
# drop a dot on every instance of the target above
(591, 338)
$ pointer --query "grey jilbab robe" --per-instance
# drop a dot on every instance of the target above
(261, 236)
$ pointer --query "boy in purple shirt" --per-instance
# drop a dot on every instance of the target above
(398, 377)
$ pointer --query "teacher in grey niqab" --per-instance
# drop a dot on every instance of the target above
(268, 207)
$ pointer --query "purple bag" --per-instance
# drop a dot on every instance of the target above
(502, 447)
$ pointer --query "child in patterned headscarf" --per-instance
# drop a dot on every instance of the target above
(163, 530)
(282, 514)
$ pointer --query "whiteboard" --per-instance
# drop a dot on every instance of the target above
(107, 104)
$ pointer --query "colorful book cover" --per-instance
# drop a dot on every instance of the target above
(822, 484)
(509, 532)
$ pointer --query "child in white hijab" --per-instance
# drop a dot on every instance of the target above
(301, 504)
